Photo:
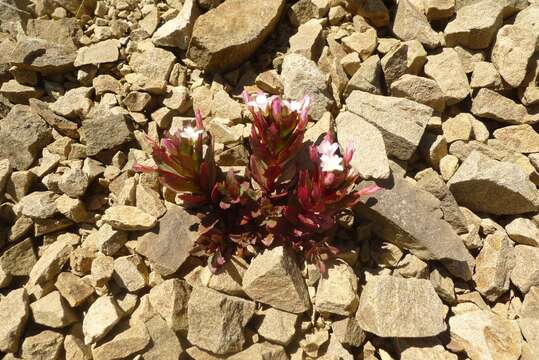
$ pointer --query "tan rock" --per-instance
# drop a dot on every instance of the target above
(124, 217)
(75, 349)
(448, 166)
(130, 273)
(337, 291)
(458, 128)
(53, 311)
(348, 331)
(367, 78)
(411, 24)
(153, 63)
(73, 289)
(523, 231)
(14, 311)
(169, 299)
(364, 43)
(126, 343)
(278, 326)
(101, 317)
(73, 209)
(177, 32)
(46, 345)
(525, 274)
(308, 40)
(395, 63)
(439, 9)
(270, 82)
(447, 70)
(261, 351)
(108, 240)
(419, 89)
(486, 75)
(375, 11)
(427, 353)
(228, 278)
(99, 53)
(520, 138)
(412, 266)
(528, 322)
(491, 105)
(50, 263)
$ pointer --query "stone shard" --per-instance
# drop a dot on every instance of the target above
(177, 32)
(274, 278)
(447, 70)
(101, 317)
(61, 124)
(398, 307)
(494, 187)
(491, 105)
(370, 158)
(217, 321)
(14, 312)
(402, 122)
(411, 24)
(525, 274)
(407, 215)
(213, 52)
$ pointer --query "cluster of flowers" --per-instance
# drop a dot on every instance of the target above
(278, 200)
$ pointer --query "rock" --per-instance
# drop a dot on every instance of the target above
(529, 320)
(108, 240)
(416, 57)
(512, 52)
(50, 263)
(363, 42)
(419, 89)
(401, 121)
(23, 135)
(216, 321)
(99, 53)
(75, 349)
(14, 312)
(170, 299)
(38, 205)
(123, 217)
(472, 31)
(374, 10)
(493, 266)
(65, 32)
(273, 278)
(104, 131)
(411, 24)
(443, 285)
(137, 101)
(396, 307)
(427, 353)
(73, 209)
(412, 266)
(479, 176)
(73, 182)
(301, 76)
(60, 124)
(101, 317)
(278, 326)
(73, 289)
(370, 159)
(169, 250)
(261, 351)
(270, 82)
(5, 174)
(447, 70)
(177, 99)
(126, 343)
(228, 278)
(484, 335)
(52, 311)
(19, 259)
(406, 214)
(351, 63)
(348, 331)
(308, 40)
(211, 52)
(458, 128)
(485, 75)
(46, 345)
(19, 93)
(523, 231)
(439, 9)
(39, 55)
(367, 77)
(395, 64)
(130, 273)
(337, 290)
(525, 274)
(154, 63)
(519, 138)
(491, 105)
(177, 32)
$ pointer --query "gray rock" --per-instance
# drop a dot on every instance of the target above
(177, 32)
(398, 307)
(211, 52)
(14, 312)
(491, 186)
(405, 214)
(104, 131)
(370, 158)
(525, 274)
(402, 122)
(99, 53)
(411, 24)
(337, 290)
(447, 70)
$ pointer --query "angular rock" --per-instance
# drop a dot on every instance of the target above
(169, 250)
(227, 279)
(274, 278)
(99, 53)
(73, 183)
(46, 345)
(491, 186)
(439, 9)
(302, 76)
(14, 312)
(130, 273)
(529, 320)
(523, 231)
(525, 274)
(278, 326)
(512, 52)
(51, 262)
(363, 41)
(401, 121)
(177, 32)
(447, 70)
(217, 321)
(19, 93)
(395, 64)
(472, 31)
(23, 135)
(126, 343)
(348, 331)
(491, 105)
(43, 56)
(427, 353)
(101, 317)
(419, 89)
(411, 24)
(154, 63)
(415, 308)
(520, 138)
(170, 299)
(123, 217)
(374, 10)
(73, 209)
(61, 124)
(458, 128)
(104, 131)
(108, 240)
(52, 311)
(19, 259)
(261, 351)
(370, 158)
(74, 104)
(38, 205)
(73, 289)
(367, 78)
(211, 52)
(485, 75)
(337, 291)
(406, 215)
(308, 40)
(484, 335)
(75, 349)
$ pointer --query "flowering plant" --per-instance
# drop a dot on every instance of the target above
(276, 200)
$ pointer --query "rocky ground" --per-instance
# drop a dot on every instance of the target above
(439, 97)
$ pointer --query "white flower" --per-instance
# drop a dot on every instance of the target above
(191, 133)
(293, 106)
(327, 148)
(261, 102)
(331, 163)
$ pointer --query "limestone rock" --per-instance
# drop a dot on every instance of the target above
(128, 342)
(447, 70)
(73, 289)
(401, 121)
(19, 259)
(362, 42)
(274, 278)
(479, 177)
(525, 274)
(491, 105)
(73, 183)
(211, 52)
(411, 24)
(177, 32)
(367, 78)
(104, 131)
(512, 52)
(108, 240)
(395, 63)
(486, 75)
(14, 312)
(228, 278)
(529, 320)
(153, 63)
(46, 345)
(38, 205)
(61, 124)
(439, 9)
(419, 89)
(101, 317)
(337, 290)
(51, 262)
(170, 299)
(130, 273)
(396, 307)
(302, 76)
(99, 53)
(523, 231)
(52, 311)
(217, 321)
(370, 158)
(519, 138)
(374, 10)
(43, 56)
(278, 326)
(261, 351)
(125, 217)
(493, 266)
(458, 128)
(348, 331)
(19, 93)
(308, 40)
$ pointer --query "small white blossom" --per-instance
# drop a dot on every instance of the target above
(293, 106)
(327, 148)
(261, 102)
(331, 163)
(191, 133)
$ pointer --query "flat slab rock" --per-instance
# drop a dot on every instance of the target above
(407, 215)
(399, 307)
(212, 51)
